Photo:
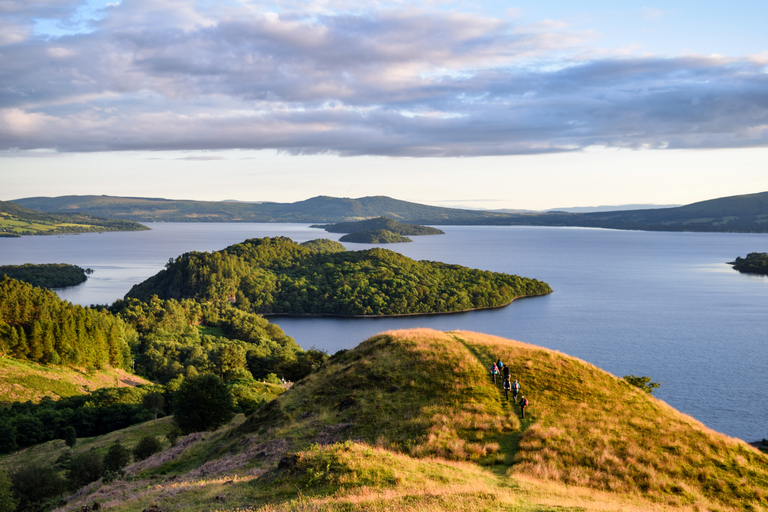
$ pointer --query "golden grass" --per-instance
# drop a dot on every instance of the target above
(21, 381)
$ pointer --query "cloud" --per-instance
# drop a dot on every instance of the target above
(163, 75)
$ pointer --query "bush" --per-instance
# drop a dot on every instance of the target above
(117, 457)
(36, 485)
(202, 403)
(85, 468)
(643, 383)
(147, 446)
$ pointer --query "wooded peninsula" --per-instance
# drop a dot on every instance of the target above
(279, 276)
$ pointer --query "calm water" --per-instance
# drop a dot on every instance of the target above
(659, 304)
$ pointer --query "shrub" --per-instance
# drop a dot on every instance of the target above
(117, 457)
(202, 403)
(147, 446)
(85, 468)
(643, 383)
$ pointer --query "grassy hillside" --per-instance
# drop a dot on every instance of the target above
(21, 381)
(16, 221)
(410, 421)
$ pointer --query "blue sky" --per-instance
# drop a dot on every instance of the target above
(490, 104)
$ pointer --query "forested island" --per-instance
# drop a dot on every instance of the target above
(18, 221)
(754, 263)
(374, 236)
(279, 276)
(47, 275)
(383, 222)
(381, 230)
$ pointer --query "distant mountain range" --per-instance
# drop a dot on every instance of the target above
(744, 213)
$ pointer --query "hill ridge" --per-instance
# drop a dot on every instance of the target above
(740, 213)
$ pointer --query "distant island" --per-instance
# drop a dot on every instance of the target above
(47, 275)
(16, 221)
(381, 230)
(754, 263)
(736, 214)
(279, 276)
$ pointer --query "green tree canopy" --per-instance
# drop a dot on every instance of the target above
(202, 403)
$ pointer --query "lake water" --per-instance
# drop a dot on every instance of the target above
(665, 305)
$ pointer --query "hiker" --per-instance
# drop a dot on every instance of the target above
(499, 364)
(523, 405)
(515, 390)
(505, 372)
(494, 371)
(507, 387)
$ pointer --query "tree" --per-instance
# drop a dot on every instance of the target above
(154, 402)
(70, 436)
(85, 468)
(8, 502)
(202, 403)
(117, 457)
(34, 485)
(643, 383)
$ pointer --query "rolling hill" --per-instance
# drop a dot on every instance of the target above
(744, 213)
(17, 220)
(410, 421)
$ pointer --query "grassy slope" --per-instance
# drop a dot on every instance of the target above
(432, 432)
(21, 381)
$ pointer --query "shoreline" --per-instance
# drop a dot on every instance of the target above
(435, 313)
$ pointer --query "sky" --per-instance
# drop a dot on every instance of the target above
(476, 104)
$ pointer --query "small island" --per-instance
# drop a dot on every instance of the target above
(381, 230)
(47, 275)
(754, 263)
(277, 276)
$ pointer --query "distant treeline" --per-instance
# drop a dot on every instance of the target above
(47, 275)
(754, 263)
(277, 275)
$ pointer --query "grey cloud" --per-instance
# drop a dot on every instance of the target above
(159, 76)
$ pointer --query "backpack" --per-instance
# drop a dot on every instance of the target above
(516, 386)
(524, 402)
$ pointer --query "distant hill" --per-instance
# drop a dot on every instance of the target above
(316, 209)
(744, 213)
(16, 220)
(409, 420)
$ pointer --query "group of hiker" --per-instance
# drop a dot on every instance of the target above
(499, 368)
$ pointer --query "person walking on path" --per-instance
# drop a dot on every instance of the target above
(515, 390)
(505, 372)
(523, 405)
(507, 387)
(494, 371)
(499, 365)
